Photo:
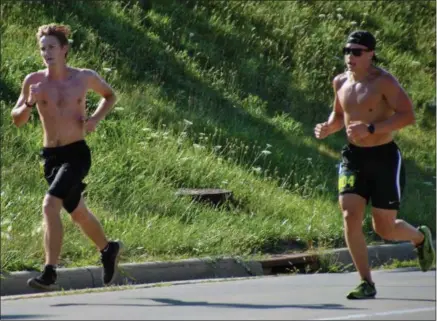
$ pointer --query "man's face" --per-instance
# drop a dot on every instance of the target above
(356, 56)
(51, 50)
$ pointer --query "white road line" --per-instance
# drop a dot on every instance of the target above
(379, 314)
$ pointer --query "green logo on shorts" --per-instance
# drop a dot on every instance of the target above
(346, 179)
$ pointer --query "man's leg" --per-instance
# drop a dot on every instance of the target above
(386, 199)
(53, 230)
(353, 207)
(353, 187)
(53, 233)
(110, 251)
(89, 224)
(388, 227)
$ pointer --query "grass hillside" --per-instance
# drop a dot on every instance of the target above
(211, 94)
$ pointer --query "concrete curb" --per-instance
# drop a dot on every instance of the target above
(194, 269)
(378, 255)
(133, 273)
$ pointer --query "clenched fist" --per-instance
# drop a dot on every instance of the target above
(357, 130)
(321, 130)
(35, 91)
(89, 123)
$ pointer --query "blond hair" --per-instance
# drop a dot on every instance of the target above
(61, 32)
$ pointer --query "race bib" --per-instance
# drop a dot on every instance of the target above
(346, 179)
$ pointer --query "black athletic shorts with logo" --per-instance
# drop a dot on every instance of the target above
(375, 173)
(64, 169)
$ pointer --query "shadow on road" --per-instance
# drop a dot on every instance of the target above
(21, 316)
(174, 302)
(406, 299)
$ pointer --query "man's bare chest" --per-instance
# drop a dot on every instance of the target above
(357, 96)
(64, 95)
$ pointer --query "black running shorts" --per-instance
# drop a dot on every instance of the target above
(375, 173)
(64, 169)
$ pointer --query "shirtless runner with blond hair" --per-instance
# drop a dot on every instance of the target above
(59, 93)
(371, 104)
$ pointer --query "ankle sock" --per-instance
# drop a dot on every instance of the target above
(50, 267)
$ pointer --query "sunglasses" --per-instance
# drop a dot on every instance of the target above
(357, 52)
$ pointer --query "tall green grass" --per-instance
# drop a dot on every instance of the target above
(213, 94)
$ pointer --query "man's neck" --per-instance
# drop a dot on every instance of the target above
(360, 75)
(59, 72)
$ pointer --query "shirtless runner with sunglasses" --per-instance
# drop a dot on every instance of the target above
(371, 104)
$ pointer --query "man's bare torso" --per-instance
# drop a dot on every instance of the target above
(62, 107)
(364, 102)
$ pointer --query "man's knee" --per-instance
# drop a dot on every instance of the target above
(80, 215)
(352, 219)
(352, 207)
(51, 205)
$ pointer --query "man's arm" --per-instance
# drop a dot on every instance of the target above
(335, 121)
(399, 101)
(99, 85)
(21, 112)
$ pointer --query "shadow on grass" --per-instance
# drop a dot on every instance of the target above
(147, 53)
(150, 60)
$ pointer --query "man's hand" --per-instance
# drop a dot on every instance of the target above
(89, 123)
(321, 130)
(35, 92)
(357, 130)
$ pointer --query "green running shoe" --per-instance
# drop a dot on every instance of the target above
(425, 251)
(364, 290)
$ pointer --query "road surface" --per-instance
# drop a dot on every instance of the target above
(404, 294)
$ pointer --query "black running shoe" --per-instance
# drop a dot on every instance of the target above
(45, 281)
(109, 258)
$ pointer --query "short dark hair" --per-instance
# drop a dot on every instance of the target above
(61, 32)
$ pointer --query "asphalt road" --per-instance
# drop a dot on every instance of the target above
(404, 294)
